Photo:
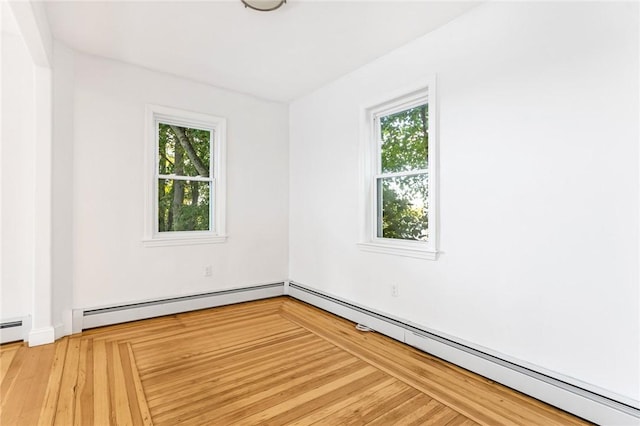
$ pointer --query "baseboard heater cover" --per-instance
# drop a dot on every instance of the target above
(12, 330)
(566, 396)
(97, 317)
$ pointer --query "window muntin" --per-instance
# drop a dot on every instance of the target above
(402, 178)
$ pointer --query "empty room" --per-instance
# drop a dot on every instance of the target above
(274, 212)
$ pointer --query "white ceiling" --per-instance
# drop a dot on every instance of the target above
(277, 55)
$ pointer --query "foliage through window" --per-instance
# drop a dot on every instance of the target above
(184, 178)
(402, 179)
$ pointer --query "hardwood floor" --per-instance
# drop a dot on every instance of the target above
(277, 361)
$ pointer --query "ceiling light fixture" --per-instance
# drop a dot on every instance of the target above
(263, 5)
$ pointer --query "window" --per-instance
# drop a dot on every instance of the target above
(186, 179)
(399, 171)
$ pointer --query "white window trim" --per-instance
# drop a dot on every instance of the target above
(153, 238)
(369, 160)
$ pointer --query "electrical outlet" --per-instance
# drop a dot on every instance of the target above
(208, 271)
(394, 290)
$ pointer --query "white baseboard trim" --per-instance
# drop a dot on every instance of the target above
(41, 336)
(520, 376)
(58, 331)
(14, 329)
(86, 318)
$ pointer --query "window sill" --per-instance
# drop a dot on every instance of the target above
(399, 250)
(183, 241)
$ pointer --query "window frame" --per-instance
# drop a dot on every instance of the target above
(156, 114)
(371, 171)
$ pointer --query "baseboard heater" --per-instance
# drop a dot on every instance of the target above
(97, 317)
(567, 396)
(12, 330)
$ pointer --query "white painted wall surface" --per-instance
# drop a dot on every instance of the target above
(538, 121)
(111, 266)
(18, 177)
(62, 200)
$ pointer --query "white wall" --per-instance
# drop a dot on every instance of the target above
(110, 265)
(26, 168)
(62, 188)
(18, 177)
(538, 114)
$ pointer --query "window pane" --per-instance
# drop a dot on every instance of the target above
(402, 207)
(183, 205)
(183, 151)
(404, 140)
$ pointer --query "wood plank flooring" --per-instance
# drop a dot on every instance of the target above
(276, 361)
